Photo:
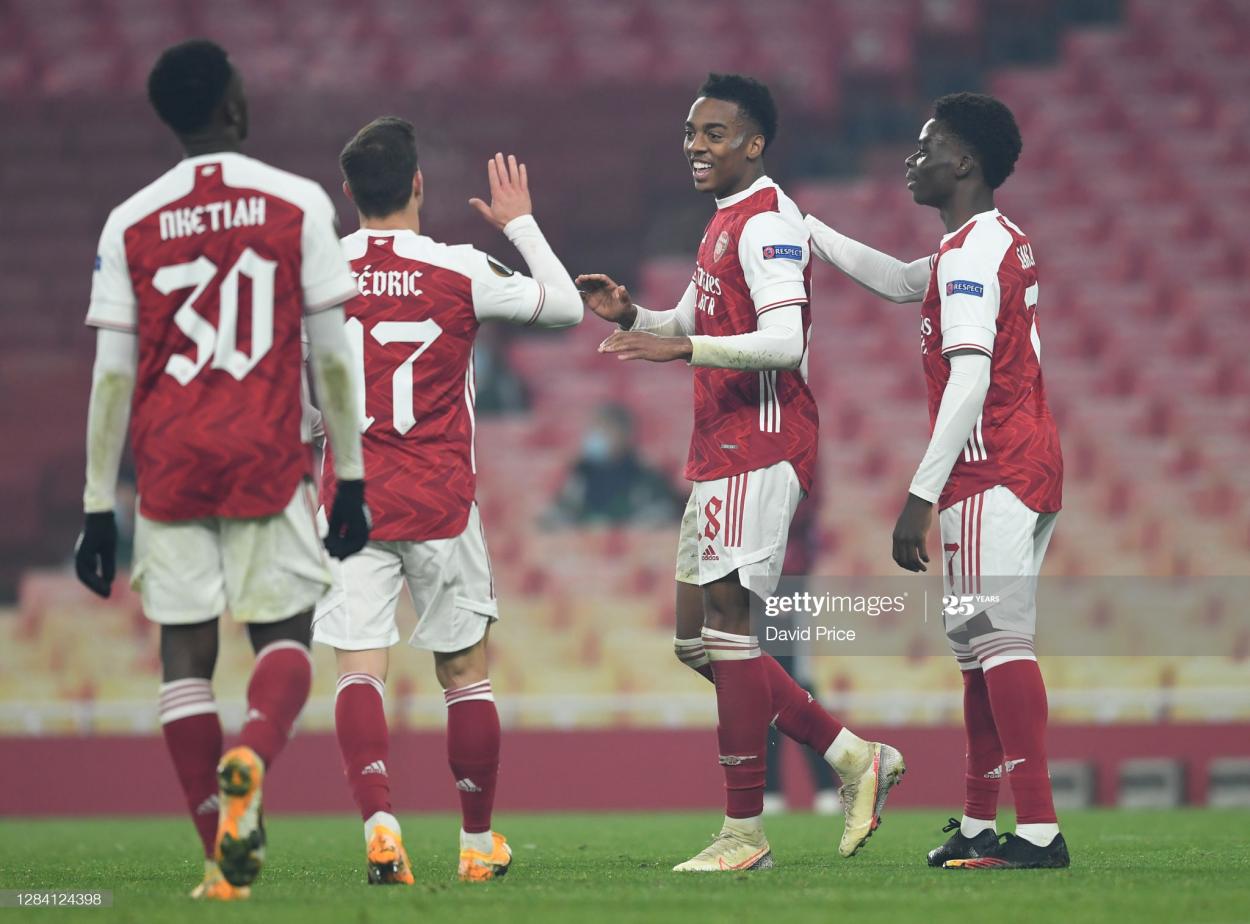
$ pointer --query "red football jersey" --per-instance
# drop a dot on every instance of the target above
(982, 296)
(214, 265)
(754, 257)
(412, 324)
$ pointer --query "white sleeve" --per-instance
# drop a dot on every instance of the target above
(777, 344)
(549, 299)
(970, 296)
(325, 275)
(108, 415)
(336, 390)
(962, 402)
(773, 254)
(875, 271)
(113, 304)
(675, 322)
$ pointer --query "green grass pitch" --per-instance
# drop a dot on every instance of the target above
(1190, 865)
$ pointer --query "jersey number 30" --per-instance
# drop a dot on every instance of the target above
(423, 333)
(220, 343)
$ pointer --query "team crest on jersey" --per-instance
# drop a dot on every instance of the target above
(783, 252)
(498, 268)
(722, 244)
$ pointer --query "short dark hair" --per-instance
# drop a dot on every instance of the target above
(985, 125)
(188, 83)
(752, 98)
(378, 164)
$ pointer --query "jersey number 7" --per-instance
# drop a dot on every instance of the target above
(385, 332)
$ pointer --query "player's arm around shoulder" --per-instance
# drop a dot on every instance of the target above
(547, 298)
(877, 272)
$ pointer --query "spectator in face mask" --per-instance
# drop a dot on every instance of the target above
(609, 483)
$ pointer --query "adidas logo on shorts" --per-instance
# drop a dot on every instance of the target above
(467, 785)
(375, 767)
(709, 554)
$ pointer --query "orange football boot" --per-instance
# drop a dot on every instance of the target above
(240, 823)
(476, 866)
(388, 861)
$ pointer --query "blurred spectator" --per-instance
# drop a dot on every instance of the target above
(609, 483)
(499, 389)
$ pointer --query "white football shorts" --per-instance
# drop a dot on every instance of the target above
(992, 551)
(449, 580)
(261, 570)
(740, 523)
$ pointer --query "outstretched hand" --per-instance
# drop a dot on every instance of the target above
(509, 192)
(605, 298)
(628, 344)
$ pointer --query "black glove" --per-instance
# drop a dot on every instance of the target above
(95, 554)
(349, 520)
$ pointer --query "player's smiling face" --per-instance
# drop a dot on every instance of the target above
(720, 147)
(933, 169)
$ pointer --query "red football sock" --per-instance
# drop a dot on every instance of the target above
(798, 714)
(360, 723)
(1018, 696)
(192, 733)
(276, 693)
(473, 751)
(744, 709)
(982, 770)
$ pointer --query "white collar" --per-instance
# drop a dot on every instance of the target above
(947, 237)
(762, 183)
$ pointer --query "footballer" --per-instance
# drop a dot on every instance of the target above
(993, 466)
(744, 325)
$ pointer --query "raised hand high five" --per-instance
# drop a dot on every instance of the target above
(509, 192)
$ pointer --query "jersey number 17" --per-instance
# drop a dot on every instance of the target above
(423, 333)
